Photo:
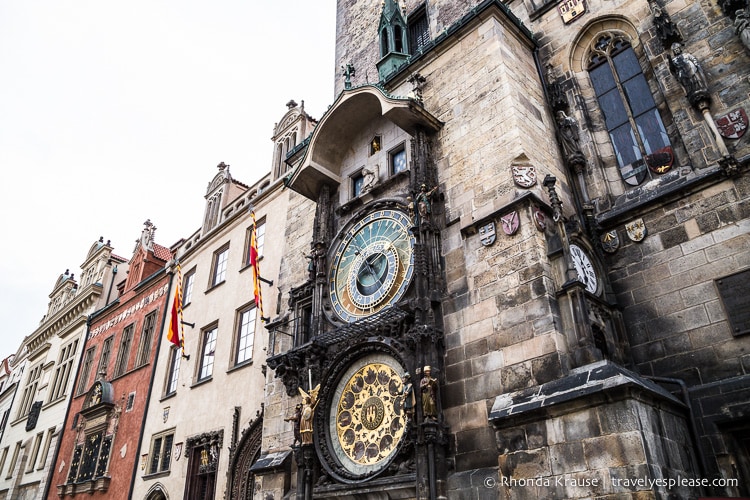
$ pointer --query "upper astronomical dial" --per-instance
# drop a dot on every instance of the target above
(372, 266)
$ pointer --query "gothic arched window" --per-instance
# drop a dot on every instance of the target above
(634, 125)
(384, 45)
(398, 39)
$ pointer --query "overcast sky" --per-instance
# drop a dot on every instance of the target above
(112, 113)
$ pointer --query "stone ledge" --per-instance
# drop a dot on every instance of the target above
(584, 381)
(271, 462)
(387, 488)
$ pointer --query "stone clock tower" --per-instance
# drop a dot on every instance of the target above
(369, 319)
(453, 330)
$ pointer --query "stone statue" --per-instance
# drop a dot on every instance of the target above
(742, 27)
(407, 396)
(687, 70)
(309, 402)
(568, 128)
(428, 386)
(424, 203)
(410, 207)
(666, 30)
(369, 179)
(296, 418)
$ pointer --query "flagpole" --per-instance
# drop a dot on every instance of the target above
(255, 263)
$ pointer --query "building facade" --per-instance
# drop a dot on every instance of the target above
(43, 371)
(97, 454)
(527, 272)
(206, 409)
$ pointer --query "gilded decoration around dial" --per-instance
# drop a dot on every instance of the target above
(372, 265)
(369, 420)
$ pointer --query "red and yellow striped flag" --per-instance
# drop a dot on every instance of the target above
(254, 262)
(176, 332)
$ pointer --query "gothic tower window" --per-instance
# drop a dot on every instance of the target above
(213, 206)
(392, 29)
(398, 38)
(419, 32)
(635, 127)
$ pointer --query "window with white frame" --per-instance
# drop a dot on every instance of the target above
(208, 346)
(160, 457)
(245, 335)
(123, 355)
(63, 371)
(34, 452)
(187, 287)
(3, 458)
(4, 422)
(147, 337)
(45, 450)
(88, 362)
(14, 459)
(29, 392)
(104, 358)
(173, 372)
(260, 239)
(219, 271)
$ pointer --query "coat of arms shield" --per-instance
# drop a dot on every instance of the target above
(524, 175)
(510, 223)
(636, 230)
(733, 124)
(540, 219)
(487, 234)
(610, 241)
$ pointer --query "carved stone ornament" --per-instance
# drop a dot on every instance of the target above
(510, 222)
(636, 230)
(540, 219)
(524, 175)
(733, 124)
(487, 234)
(610, 241)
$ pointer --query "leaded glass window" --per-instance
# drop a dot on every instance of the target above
(635, 127)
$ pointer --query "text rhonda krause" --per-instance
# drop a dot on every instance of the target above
(640, 482)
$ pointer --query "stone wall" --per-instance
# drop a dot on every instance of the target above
(677, 324)
(597, 432)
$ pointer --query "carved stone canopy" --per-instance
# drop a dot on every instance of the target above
(352, 113)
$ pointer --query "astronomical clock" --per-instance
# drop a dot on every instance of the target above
(368, 320)
(366, 419)
(372, 265)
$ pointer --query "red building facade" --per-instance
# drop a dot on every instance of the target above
(98, 448)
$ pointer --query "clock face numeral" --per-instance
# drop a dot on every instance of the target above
(372, 265)
(584, 268)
